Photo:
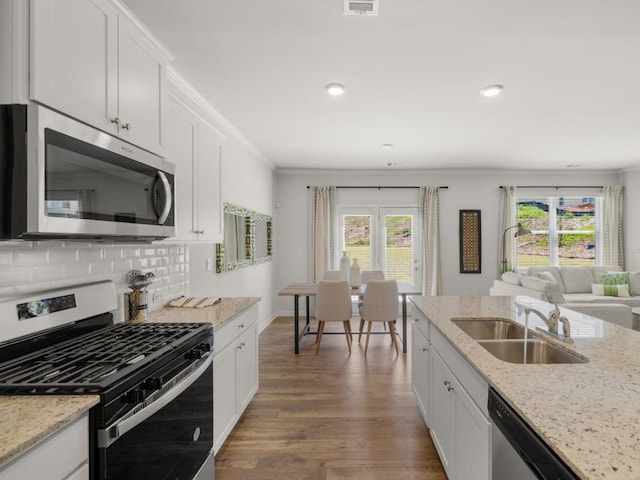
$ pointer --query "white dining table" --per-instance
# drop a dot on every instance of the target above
(308, 290)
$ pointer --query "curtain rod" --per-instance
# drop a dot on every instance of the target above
(556, 187)
(373, 186)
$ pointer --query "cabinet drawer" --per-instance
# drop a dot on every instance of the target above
(473, 382)
(224, 335)
(55, 458)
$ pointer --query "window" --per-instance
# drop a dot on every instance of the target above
(565, 231)
(382, 238)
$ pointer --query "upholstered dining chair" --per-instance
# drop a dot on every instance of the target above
(365, 276)
(332, 275)
(333, 304)
(380, 304)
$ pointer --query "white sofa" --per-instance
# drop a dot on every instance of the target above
(571, 287)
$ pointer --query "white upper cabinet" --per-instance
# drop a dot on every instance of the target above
(92, 63)
(195, 148)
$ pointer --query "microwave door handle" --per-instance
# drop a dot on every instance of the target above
(114, 431)
(162, 217)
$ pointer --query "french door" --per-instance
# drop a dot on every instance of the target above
(383, 238)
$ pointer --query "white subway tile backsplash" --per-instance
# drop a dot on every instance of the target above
(30, 258)
(34, 266)
(116, 253)
(65, 255)
(15, 276)
(77, 270)
(90, 255)
(101, 268)
(48, 273)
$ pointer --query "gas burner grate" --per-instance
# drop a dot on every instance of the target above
(94, 361)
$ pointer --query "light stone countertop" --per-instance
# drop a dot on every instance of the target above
(27, 419)
(217, 315)
(587, 413)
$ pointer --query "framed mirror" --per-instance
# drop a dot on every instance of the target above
(262, 239)
(248, 239)
(236, 251)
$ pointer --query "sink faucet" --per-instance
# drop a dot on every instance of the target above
(552, 321)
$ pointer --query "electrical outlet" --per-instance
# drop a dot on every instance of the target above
(209, 264)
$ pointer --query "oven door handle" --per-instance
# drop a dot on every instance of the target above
(116, 430)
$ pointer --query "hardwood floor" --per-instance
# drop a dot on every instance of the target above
(329, 417)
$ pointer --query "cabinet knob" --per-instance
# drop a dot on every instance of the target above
(241, 325)
(446, 383)
(116, 120)
(425, 349)
(126, 126)
(449, 388)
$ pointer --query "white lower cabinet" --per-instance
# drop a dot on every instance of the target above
(420, 373)
(62, 456)
(235, 372)
(454, 397)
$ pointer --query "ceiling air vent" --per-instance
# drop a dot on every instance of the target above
(361, 7)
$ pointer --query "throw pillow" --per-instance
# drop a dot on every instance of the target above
(551, 290)
(601, 290)
(616, 278)
(512, 278)
(548, 276)
(634, 283)
(577, 279)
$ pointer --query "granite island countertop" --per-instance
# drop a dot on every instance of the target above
(587, 413)
(218, 315)
(27, 419)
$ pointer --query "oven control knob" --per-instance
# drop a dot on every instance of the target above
(194, 354)
(205, 347)
(134, 396)
(153, 383)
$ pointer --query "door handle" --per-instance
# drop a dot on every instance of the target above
(168, 200)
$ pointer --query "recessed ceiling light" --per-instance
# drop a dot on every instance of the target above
(492, 90)
(386, 146)
(335, 89)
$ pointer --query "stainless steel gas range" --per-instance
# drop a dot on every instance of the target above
(155, 381)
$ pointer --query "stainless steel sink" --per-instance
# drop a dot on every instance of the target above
(531, 351)
(491, 329)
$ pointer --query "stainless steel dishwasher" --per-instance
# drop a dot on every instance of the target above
(536, 455)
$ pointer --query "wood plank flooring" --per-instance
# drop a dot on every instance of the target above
(332, 416)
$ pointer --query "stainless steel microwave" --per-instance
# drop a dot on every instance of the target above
(62, 179)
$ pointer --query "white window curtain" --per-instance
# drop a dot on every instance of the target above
(506, 245)
(321, 248)
(612, 235)
(430, 246)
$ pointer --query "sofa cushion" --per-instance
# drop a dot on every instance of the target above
(576, 279)
(551, 289)
(548, 276)
(610, 290)
(598, 271)
(634, 283)
(555, 271)
(512, 278)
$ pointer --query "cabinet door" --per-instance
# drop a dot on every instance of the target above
(224, 394)
(141, 89)
(473, 438)
(74, 59)
(442, 417)
(247, 367)
(420, 370)
(208, 203)
(180, 147)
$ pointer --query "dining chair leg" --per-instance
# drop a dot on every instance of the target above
(319, 337)
(361, 327)
(366, 347)
(350, 333)
(394, 340)
(347, 334)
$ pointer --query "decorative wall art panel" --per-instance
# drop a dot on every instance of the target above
(470, 242)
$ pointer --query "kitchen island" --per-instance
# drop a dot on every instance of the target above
(587, 413)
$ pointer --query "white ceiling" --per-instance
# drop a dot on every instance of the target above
(571, 71)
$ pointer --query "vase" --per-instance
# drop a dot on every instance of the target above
(344, 267)
(354, 274)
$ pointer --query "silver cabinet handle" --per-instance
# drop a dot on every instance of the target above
(425, 349)
(449, 388)
(115, 120)
(126, 126)
(241, 325)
